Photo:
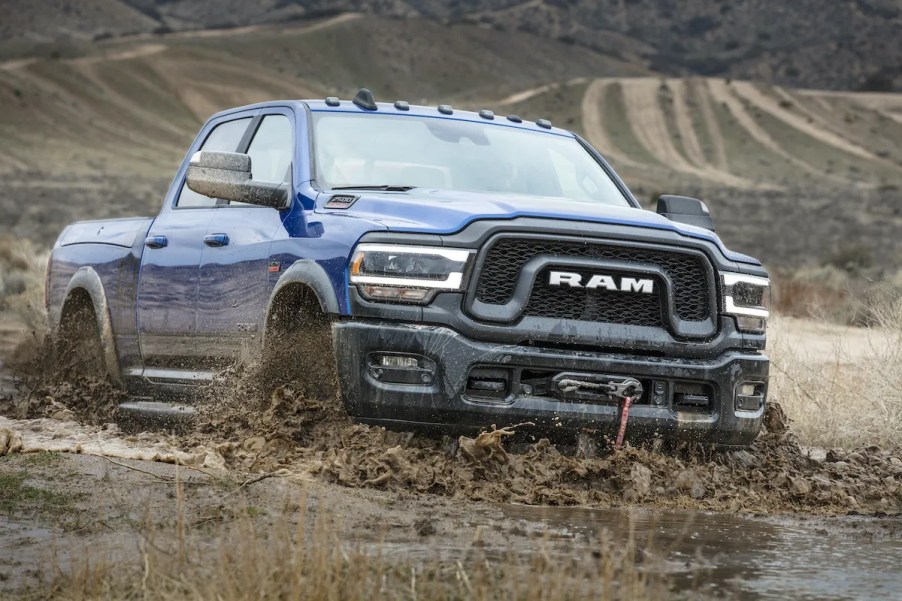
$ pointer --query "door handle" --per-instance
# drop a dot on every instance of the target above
(156, 241)
(216, 239)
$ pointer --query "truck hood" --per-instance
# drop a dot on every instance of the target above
(445, 212)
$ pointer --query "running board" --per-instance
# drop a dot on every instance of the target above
(170, 376)
(155, 415)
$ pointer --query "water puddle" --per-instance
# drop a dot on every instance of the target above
(754, 558)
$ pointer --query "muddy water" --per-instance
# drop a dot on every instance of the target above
(748, 557)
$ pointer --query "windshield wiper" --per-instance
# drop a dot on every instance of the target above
(383, 188)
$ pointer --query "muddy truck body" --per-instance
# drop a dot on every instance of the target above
(474, 269)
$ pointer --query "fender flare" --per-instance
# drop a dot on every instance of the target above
(87, 279)
(309, 273)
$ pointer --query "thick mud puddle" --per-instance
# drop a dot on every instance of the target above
(749, 557)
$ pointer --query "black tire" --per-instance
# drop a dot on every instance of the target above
(78, 348)
(298, 350)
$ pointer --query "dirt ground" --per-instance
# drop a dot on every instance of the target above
(84, 503)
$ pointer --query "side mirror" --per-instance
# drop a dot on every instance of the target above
(683, 209)
(227, 175)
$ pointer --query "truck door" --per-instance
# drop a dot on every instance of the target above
(234, 279)
(169, 276)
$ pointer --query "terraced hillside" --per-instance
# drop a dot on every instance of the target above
(99, 131)
(736, 134)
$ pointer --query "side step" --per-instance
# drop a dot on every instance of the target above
(154, 415)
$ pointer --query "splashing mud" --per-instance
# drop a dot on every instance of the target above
(49, 384)
(775, 475)
(242, 426)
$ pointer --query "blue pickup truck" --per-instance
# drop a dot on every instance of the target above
(458, 269)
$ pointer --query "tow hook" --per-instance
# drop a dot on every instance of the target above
(625, 389)
(628, 394)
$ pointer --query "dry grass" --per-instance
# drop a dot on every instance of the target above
(22, 268)
(847, 294)
(297, 556)
(841, 386)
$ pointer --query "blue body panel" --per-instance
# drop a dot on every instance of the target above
(192, 305)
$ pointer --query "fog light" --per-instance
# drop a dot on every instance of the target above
(747, 389)
(399, 361)
(753, 325)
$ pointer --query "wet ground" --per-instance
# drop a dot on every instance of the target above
(104, 487)
(752, 557)
(773, 521)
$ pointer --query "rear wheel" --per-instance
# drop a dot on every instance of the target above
(78, 348)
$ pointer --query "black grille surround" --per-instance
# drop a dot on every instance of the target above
(685, 274)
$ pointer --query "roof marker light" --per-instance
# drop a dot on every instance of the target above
(486, 114)
(445, 109)
(514, 118)
(332, 101)
(544, 123)
(402, 105)
(364, 99)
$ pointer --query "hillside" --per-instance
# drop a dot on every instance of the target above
(100, 132)
(839, 44)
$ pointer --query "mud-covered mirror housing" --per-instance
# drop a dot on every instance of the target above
(227, 175)
(684, 209)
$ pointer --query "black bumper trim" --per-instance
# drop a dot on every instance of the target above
(444, 403)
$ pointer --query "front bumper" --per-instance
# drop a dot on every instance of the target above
(439, 392)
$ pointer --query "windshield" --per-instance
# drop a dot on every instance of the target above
(395, 151)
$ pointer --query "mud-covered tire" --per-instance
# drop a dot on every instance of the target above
(78, 347)
(298, 351)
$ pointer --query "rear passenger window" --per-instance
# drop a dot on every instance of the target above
(225, 137)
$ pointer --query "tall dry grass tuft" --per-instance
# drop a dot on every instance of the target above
(309, 560)
(22, 270)
(834, 294)
(842, 386)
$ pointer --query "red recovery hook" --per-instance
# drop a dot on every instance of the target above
(628, 389)
(624, 416)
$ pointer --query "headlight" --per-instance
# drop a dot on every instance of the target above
(411, 274)
(747, 297)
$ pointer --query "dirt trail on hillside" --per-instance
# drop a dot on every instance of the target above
(749, 92)
(593, 124)
(683, 119)
(703, 101)
(649, 122)
(721, 93)
(525, 95)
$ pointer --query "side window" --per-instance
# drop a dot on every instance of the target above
(271, 149)
(225, 137)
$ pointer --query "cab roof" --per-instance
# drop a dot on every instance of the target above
(442, 111)
(364, 103)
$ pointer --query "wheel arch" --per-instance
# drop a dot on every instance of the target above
(86, 281)
(302, 283)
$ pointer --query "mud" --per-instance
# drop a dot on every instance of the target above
(51, 382)
(298, 429)
(288, 430)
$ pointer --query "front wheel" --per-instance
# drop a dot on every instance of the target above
(298, 350)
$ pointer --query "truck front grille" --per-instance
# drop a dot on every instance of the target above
(687, 271)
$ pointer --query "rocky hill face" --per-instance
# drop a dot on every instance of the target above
(832, 44)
